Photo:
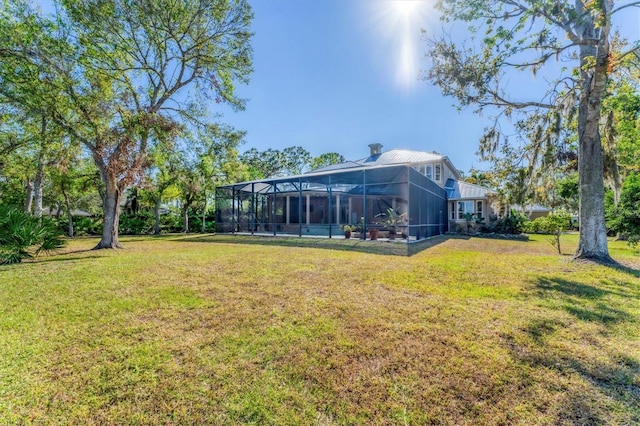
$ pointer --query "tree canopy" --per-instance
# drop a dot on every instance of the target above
(540, 36)
(119, 76)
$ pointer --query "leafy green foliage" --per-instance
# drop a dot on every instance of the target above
(326, 159)
(625, 217)
(292, 160)
(82, 226)
(510, 36)
(555, 223)
(23, 236)
(135, 74)
(143, 223)
(512, 223)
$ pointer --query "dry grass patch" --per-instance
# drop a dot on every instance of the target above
(177, 331)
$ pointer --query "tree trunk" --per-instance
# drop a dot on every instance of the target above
(111, 210)
(185, 219)
(67, 203)
(593, 231)
(38, 183)
(204, 214)
(156, 214)
(29, 201)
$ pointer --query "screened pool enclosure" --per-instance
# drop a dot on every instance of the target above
(391, 198)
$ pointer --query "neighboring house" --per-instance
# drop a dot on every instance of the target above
(49, 211)
(422, 188)
(532, 211)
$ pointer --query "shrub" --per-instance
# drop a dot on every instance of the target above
(625, 217)
(555, 224)
(143, 222)
(513, 223)
(136, 223)
(81, 225)
(23, 236)
(195, 223)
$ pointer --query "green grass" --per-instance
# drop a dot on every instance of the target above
(222, 330)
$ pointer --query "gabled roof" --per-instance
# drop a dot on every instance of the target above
(531, 208)
(50, 211)
(392, 157)
(400, 156)
(457, 189)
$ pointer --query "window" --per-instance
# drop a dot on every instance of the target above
(479, 209)
(464, 207)
(429, 173)
(422, 170)
(453, 210)
(438, 172)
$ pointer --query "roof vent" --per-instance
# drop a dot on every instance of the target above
(376, 148)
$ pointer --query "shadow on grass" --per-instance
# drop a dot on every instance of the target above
(381, 247)
(612, 377)
(613, 264)
(583, 301)
(57, 258)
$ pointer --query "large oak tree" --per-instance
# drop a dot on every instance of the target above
(122, 75)
(536, 35)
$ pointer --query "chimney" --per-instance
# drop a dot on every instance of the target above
(376, 148)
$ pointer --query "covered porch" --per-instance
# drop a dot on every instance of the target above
(386, 198)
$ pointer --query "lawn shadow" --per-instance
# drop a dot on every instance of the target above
(63, 259)
(614, 375)
(542, 343)
(381, 247)
(584, 301)
(63, 256)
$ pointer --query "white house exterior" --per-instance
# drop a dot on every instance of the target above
(423, 191)
(462, 197)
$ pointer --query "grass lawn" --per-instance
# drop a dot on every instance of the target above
(221, 330)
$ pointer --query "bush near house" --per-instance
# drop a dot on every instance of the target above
(555, 223)
(510, 224)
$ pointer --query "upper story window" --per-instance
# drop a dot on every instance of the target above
(425, 170)
(438, 172)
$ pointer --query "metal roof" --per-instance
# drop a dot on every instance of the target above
(264, 185)
(531, 208)
(393, 157)
(457, 189)
(400, 156)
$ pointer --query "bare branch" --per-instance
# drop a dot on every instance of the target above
(632, 4)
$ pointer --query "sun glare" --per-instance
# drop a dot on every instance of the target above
(405, 8)
(400, 22)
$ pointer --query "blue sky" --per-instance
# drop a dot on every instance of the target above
(337, 75)
(330, 76)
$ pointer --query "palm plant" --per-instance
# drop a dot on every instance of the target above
(23, 236)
